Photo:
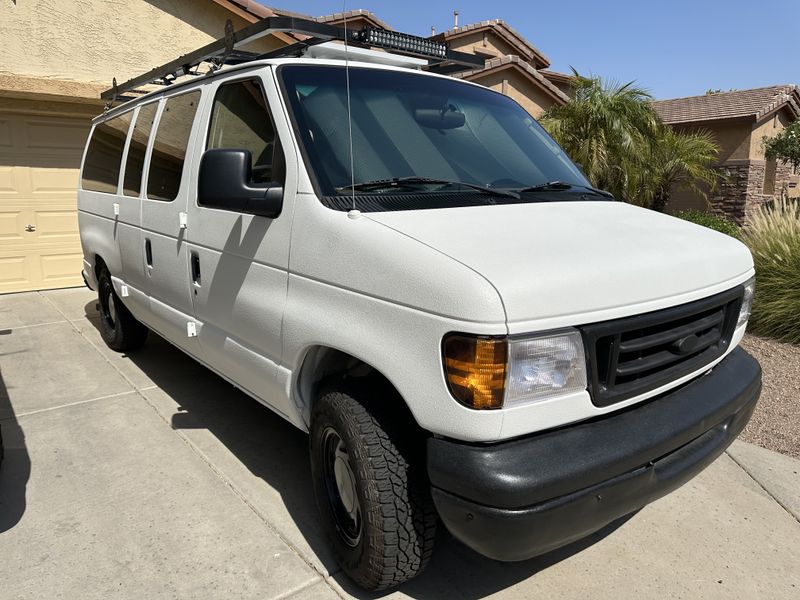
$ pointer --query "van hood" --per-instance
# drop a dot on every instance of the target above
(555, 259)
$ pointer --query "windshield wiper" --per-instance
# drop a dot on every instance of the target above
(378, 184)
(551, 186)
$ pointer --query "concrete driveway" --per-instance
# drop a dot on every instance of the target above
(147, 476)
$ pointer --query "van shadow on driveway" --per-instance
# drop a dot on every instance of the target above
(15, 469)
(276, 452)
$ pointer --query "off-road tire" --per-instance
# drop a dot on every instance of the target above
(386, 453)
(118, 327)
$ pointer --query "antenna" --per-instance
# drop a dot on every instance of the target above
(349, 117)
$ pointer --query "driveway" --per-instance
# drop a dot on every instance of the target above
(147, 476)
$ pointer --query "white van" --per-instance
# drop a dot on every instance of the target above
(406, 266)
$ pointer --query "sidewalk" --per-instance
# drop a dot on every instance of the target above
(150, 477)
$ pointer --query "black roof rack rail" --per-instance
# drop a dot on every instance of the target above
(224, 50)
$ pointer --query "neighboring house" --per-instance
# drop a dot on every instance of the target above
(739, 121)
(58, 56)
(512, 64)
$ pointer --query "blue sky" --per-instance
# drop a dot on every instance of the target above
(671, 47)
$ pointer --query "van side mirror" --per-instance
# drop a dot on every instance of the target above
(224, 182)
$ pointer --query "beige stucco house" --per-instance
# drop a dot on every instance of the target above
(739, 121)
(513, 65)
(58, 56)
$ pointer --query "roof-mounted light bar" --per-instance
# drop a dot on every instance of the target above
(404, 42)
(225, 50)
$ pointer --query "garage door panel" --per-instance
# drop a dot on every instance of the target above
(45, 181)
(5, 133)
(12, 225)
(50, 134)
(39, 162)
(57, 225)
(9, 185)
(14, 272)
(61, 269)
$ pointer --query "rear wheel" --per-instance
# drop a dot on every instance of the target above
(118, 327)
(371, 489)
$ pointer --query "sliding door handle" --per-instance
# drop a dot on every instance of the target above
(195, 260)
(148, 253)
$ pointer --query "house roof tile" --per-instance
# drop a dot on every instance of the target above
(352, 14)
(511, 35)
(755, 103)
(515, 61)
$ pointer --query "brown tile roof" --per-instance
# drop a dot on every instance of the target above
(496, 64)
(527, 50)
(755, 103)
(252, 7)
(352, 14)
(556, 76)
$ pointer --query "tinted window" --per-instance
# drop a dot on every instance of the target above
(240, 119)
(169, 147)
(134, 164)
(103, 158)
(411, 125)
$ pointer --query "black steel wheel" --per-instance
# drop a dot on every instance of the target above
(371, 487)
(118, 327)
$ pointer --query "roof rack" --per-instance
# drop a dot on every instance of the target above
(224, 50)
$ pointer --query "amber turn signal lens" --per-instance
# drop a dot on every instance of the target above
(476, 369)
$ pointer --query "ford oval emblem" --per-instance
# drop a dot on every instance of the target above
(685, 345)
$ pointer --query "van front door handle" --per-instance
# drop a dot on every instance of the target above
(195, 268)
(148, 253)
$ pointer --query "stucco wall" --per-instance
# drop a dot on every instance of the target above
(768, 127)
(95, 40)
(482, 42)
(518, 87)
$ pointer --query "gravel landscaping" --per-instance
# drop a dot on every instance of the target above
(776, 423)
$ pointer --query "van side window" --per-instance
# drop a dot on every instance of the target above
(134, 165)
(240, 119)
(104, 155)
(169, 147)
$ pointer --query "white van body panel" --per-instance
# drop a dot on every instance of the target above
(386, 287)
(555, 262)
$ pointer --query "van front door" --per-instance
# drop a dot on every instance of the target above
(164, 246)
(240, 261)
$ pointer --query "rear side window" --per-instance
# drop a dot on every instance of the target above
(169, 147)
(134, 164)
(240, 119)
(104, 155)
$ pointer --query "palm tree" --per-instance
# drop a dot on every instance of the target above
(674, 160)
(603, 128)
(612, 131)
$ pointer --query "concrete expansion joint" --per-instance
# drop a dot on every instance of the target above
(236, 491)
(765, 490)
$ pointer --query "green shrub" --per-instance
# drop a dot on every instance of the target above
(711, 221)
(774, 239)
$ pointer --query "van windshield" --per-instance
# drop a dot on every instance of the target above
(422, 142)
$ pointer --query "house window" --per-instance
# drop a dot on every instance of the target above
(169, 147)
(104, 155)
(769, 177)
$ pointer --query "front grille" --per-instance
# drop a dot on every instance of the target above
(633, 355)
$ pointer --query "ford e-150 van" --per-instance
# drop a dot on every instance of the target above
(406, 266)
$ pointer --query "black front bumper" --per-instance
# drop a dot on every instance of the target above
(518, 499)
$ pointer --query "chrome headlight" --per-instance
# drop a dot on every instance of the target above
(544, 367)
(747, 302)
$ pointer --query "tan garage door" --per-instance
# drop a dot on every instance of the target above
(39, 162)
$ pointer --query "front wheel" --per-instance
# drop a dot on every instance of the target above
(371, 489)
(118, 327)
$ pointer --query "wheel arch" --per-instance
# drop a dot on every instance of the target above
(322, 365)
